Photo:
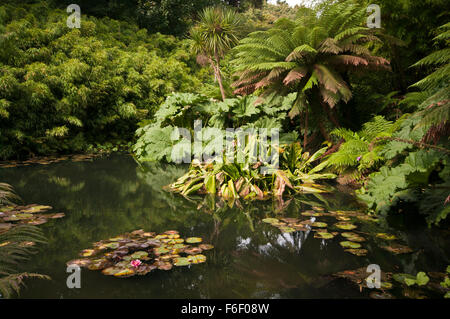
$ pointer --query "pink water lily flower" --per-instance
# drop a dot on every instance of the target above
(136, 263)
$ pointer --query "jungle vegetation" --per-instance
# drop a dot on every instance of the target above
(354, 105)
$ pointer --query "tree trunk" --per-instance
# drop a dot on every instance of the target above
(219, 76)
(330, 113)
(324, 131)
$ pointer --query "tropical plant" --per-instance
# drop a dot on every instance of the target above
(311, 56)
(361, 151)
(181, 110)
(435, 91)
(417, 172)
(216, 32)
(233, 179)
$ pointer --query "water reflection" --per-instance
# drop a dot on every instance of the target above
(251, 259)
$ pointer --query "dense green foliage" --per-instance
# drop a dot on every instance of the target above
(418, 172)
(317, 56)
(311, 56)
(180, 110)
(378, 98)
(65, 89)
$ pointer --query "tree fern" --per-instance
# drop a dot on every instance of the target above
(361, 149)
(308, 56)
(435, 106)
(14, 248)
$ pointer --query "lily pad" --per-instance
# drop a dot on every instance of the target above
(124, 273)
(398, 249)
(88, 252)
(401, 278)
(353, 237)
(58, 215)
(24, 216)
(206, 246)
(163, 265)
(79, 262)
(37, 209)
(311, 213)
(349, 244)
(160, 250)
(290, 220)
(111, 271)
(285, 229)
(343, 218)
(193, 240)
(193, 250)
(323, 235)
(112, 245)
(270, 220)
(197, 259)
(182, 261)
(386, 236)
(357, 252)
(139, 255)
(345, 225)
(319, 224)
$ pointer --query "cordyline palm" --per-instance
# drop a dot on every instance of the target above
(216, 32)
(311, 56)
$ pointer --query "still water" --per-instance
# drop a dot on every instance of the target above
(251, 259)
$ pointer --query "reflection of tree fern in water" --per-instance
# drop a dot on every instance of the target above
(7, 195)
(14, 249)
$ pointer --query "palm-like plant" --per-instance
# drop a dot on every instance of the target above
(216, 32)
(310, 56)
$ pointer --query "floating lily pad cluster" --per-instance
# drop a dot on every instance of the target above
(49, 160)
(140, 252)
(420, 286)
(344, 226)
(11, 216)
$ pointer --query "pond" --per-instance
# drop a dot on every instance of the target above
(251, 259)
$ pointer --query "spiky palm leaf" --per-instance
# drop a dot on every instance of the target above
(308, 56)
